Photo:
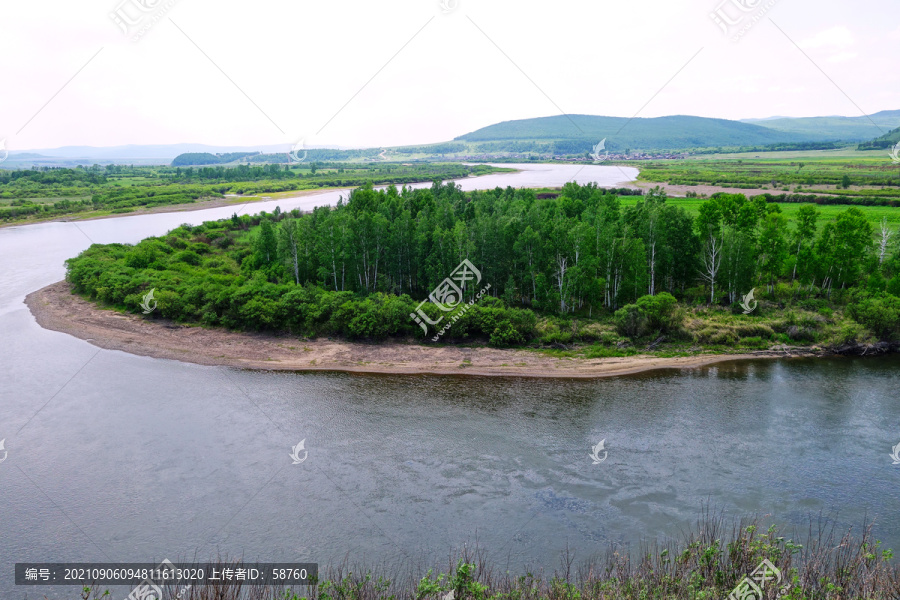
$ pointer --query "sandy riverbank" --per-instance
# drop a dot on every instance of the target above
(56, 308)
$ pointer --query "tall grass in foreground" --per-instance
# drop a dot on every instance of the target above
(710, 560)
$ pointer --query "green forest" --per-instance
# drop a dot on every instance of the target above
(577, 267)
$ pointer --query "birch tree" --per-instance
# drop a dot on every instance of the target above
(711, 261)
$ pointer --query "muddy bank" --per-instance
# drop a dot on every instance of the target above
(56, 308)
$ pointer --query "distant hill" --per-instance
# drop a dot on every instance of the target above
(162, 152)
(578, 133)
(885, 141)
(850, 129)
(25, 155)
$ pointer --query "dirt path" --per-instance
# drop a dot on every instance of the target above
(56, 308)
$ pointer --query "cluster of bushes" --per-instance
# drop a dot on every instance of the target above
(197, 277)
(879, 312)
(26, 208)
(657, 313)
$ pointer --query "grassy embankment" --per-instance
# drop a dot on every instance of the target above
(711, 559)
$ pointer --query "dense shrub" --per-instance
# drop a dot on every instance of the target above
(880, 314)
(631, 321)
(657, 313)
(506, 335)
(661, 311)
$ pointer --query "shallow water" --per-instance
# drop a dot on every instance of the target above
(115, 457)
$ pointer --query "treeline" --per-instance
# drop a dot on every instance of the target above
(206, 158)
(223, 174)
(361, 268)
(780, 147)
(48, 181)
(445, 148)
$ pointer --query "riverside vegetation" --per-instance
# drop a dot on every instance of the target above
(805, 177)
(42, 193)
(711, 559)
(579, 269)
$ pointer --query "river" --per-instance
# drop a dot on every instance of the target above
(114, 457)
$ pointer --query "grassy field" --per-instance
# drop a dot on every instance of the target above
(870, 173)
(873, 178)
(826, 212)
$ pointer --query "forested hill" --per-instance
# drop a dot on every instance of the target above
(863, 127)
(578, 133)
(205, 158)
(658, 133)
(885, 141)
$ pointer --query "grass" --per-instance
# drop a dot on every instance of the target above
(786, 315)
(827, 212)
(817, 169)
(707, 562)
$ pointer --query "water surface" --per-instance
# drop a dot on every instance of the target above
(116, 457)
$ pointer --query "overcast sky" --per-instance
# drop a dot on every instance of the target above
(369, 73)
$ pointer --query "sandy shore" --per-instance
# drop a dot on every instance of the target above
(56, 308)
